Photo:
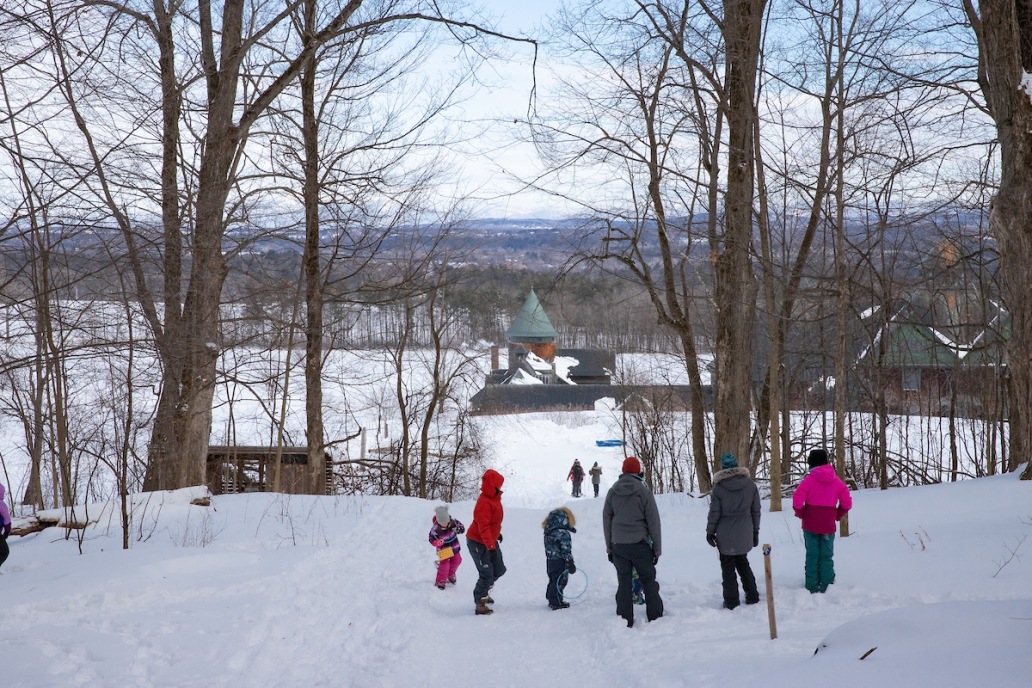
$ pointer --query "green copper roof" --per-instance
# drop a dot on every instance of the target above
(531, 323)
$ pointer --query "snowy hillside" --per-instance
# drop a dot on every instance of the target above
(269, 590)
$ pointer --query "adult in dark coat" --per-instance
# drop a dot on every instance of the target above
(733, 528)
(577, 476)
(630, 522)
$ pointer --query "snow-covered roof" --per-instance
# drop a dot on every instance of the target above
(562, 368)
(538, 364)
(522, 377)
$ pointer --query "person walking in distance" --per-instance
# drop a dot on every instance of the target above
(733, 528)
(483, 538)
(596, 476)
(820, 500)
(630, 523)
(577, 476)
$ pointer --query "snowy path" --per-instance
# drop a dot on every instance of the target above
(337, 592)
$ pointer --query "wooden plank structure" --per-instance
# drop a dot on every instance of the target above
(234, 469)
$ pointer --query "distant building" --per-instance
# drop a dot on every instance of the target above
(531, 332)
(539, 376)
(533, 358)
(930, 370)
(233, 469)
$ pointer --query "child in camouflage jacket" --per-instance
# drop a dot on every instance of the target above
(558, 554)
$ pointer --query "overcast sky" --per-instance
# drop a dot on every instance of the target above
(492, 165)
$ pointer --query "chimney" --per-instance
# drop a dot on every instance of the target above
(494, 357)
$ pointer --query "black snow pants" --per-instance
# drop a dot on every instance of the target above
(637, 556)
(728, 565)
(489, 565)
(557, 579)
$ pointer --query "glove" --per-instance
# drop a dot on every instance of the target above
(7, 530)
(460, 529)
(756, 539)
(571, 567)
(798, 513)
(655, 559)
(839, 513)
(499, 537)
(610, 555)
(437, 543)
(711, 538)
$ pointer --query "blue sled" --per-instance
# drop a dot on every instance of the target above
(609, 443)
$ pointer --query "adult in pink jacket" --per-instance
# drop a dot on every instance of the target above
(5, 527)
(821, 500)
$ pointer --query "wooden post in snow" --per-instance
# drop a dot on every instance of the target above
(768, 578)
(363, 454)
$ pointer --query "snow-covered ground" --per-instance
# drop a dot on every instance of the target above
(271, 590)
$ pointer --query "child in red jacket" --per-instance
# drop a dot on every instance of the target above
(821, 500)
(484, 536)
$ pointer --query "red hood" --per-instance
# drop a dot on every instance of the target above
(491, 483)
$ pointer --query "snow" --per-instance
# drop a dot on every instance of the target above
(538, 364)
(868, 312)
(264, 590)
(522, 377)
(1025, 85)
(660, 369)
(562, 368)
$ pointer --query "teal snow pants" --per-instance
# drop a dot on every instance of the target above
(820, 569)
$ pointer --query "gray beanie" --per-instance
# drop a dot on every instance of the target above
(442, 515)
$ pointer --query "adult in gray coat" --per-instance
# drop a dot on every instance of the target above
(630, 521)
(734, 528)
(596, 476)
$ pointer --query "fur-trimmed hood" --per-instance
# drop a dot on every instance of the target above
(730, 473)
(555, 520)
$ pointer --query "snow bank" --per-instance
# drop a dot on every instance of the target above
(274, 591)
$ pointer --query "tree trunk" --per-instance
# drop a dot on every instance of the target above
(702, 471)
(735, 285)
(312, 268)
(841, 310)
(1004, 33)
(179, 443)
(768, 412)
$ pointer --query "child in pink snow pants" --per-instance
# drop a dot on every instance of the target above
(444, 535)
(821, 500)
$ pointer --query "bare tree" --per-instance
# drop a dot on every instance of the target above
(1004, 33)
(245, 57)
